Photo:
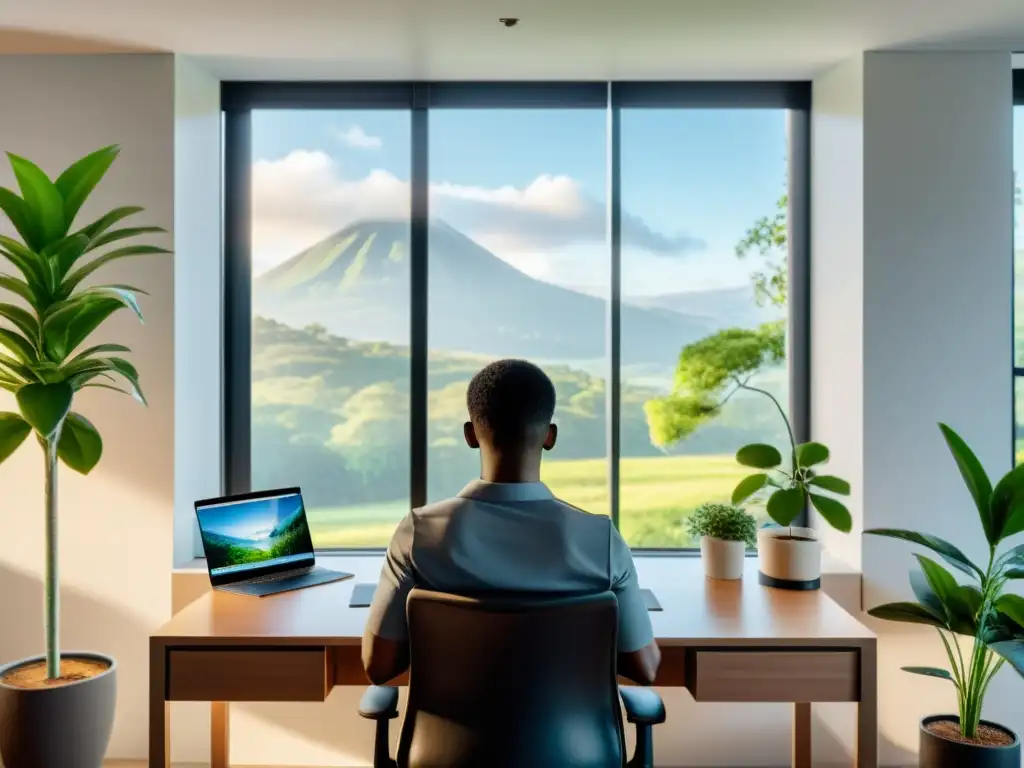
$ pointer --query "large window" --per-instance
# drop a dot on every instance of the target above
(1018, 267)
(383, 242)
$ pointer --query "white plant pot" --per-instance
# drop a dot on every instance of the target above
(789, 558)
(722, 559)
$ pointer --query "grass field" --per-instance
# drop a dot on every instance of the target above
(656, 494)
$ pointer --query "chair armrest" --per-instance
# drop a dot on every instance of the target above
(379, 703)
(643, 705)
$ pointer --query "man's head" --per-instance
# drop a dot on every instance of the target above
(511, 403)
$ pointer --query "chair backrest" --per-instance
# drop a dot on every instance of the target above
(512, 682)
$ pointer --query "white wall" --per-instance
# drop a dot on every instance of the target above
(916, 242)
(116, 524)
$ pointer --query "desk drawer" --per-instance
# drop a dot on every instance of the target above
(801, 676)
(293, 674)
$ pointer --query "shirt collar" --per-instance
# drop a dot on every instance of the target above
(481, 490)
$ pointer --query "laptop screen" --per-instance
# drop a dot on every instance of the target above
(251, 534)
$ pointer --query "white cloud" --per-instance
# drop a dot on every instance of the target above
(303, 197)
(355, 137)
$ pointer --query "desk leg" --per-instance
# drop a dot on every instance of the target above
(219, 734)
(867, 708)
(159, 708)
(801, 757)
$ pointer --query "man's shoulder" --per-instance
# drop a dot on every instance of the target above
(583, 516)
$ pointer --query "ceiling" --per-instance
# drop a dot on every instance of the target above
(555, 39)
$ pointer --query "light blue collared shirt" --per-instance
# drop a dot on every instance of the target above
(508, 538)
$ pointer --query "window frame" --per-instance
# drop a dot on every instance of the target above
(240, 98)
(1016, 371)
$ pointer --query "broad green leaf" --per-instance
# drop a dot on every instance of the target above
(1012, 606)
(22, 319)
(974, 477)
(20, 216)
(122, 234)
(831, 483)
(759, 456)
(107, 220)
(909, 613)
(127, 370)
(43, 198)
(19, 346)
(73, 279)
(809, 454)
(972, 598)
(18, 287)
(1007, 504)
(748, 486)
(785, 506)
(13, 431)
(12, 366)
(122, 295)
(956, 609)
(949, 552)
(1014, 573)
(29, 263)
(67, 252)
(929, 672)
(80, 445)
(44, 406)
(67, 329)
(1012, 556)
(9, 383)
(835, 513)
(98, 349)
(926, 596)
(81, 177)
(1013, 652)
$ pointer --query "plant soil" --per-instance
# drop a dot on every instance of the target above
(986, 735)
(793, 538)
(33, 676)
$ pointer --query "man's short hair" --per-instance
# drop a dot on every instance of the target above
(511, 399)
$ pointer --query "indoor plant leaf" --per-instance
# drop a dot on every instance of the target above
(99, 348)
(13, 431)
(44, 406)
(929, 672)
(109, 219)
(117, 293)
(809, 454)
(759, 456)
(785, 505)
(831, 483)
(66, 329)
(974, 477)
(80, 445)
(909, 613)
(835, 513)
(925, 595)
(19, 288)
(1012, 651)
(67, 251)
(1012, 606)
(1006, 506)
(19, 370)
(956, 609)
(42, 197)
(19, 346)
(81, 177)
(83, 272)
(22, 319)
(30, 264)
(748, 486)
(950, 553)
(122, 234)
(21, 216)
(127, 370)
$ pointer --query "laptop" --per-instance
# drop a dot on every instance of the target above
(259, 543)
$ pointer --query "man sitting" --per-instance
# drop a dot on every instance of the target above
(506, 533)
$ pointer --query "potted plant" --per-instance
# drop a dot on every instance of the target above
(980, 610)
(725, 532)
(709, 374)
(53, 307)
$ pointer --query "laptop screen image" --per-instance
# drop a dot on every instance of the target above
(254, 534)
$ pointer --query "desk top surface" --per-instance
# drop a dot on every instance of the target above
(697, 611)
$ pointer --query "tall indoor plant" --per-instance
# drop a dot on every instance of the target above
(709, 374)
(981, 610)
(51, 308)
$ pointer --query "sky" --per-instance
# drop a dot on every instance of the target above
(252, 519)
(530, 185)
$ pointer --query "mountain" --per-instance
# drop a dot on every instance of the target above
(355, 283)
(720, 308)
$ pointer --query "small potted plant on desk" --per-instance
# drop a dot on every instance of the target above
(709, 374)
(725, 532)
(980, 610)
(57, 709)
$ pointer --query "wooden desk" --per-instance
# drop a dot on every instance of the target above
(723, 641)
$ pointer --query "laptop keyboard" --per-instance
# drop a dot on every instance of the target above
(279, 576)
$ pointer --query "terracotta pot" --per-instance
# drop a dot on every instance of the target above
(789, 558)
(66, 726)
(939, 752)
(722, 559)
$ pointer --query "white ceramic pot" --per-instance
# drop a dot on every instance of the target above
(789, 558)
(722, 559)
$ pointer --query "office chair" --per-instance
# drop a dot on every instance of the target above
(513, 684)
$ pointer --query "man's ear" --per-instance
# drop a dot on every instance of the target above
(470, 434)
(552, 437)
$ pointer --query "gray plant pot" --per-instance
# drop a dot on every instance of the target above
(66, 726)
(937, 752)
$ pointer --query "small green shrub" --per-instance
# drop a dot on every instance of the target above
(723, 521)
